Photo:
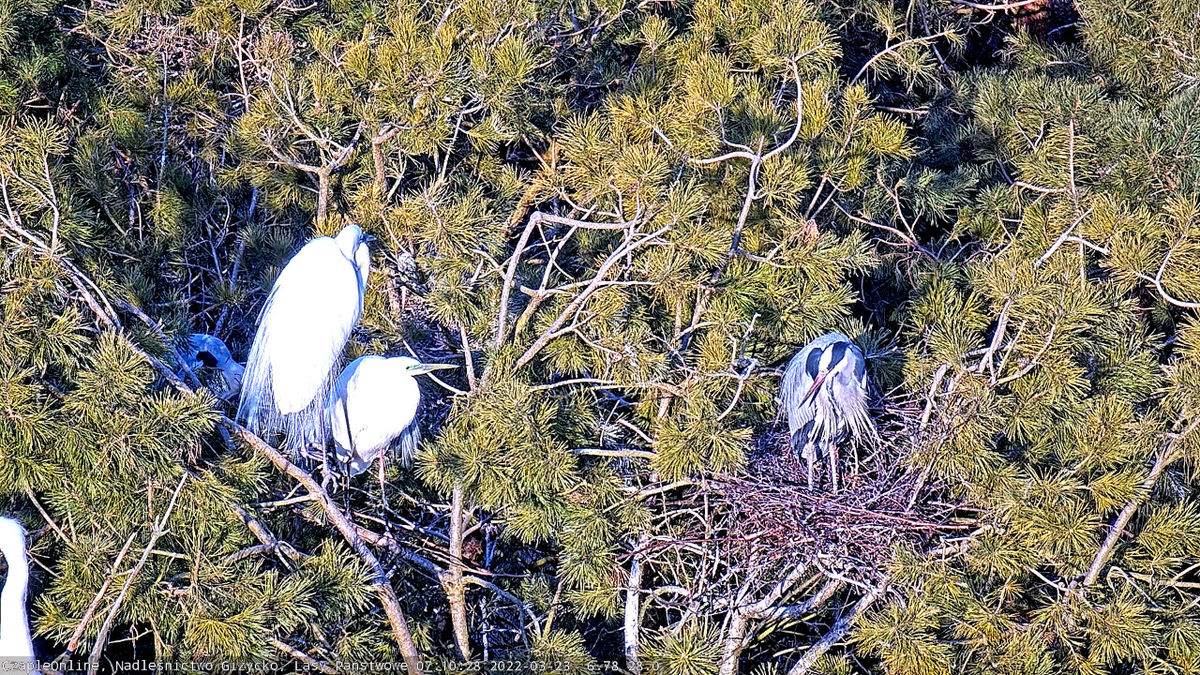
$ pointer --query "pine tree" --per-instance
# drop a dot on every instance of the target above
(620, 220)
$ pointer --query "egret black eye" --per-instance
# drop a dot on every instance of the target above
(207, 359)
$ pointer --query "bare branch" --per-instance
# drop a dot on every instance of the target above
(1165, 457)
(452, 580)
(159, 529)
(839, 629)
(621, 251)
(319, 666)
(735, 634)
(633, 614)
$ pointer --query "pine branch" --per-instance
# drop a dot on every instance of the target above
(891, 48)
(159, 529)
(556, 327)
(535, 221)
(1155, 280)
(387, 594)
(1165, 457)
(73, 642)
(837, 632)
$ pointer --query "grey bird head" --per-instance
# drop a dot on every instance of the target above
(209, 352)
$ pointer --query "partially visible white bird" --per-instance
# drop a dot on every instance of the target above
(303, 327)
(825, 396)
(16, 647)
(379, 396)
(210, 352)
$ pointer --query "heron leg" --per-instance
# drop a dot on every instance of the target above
(809, 458)
(833, 466)
(326, 474)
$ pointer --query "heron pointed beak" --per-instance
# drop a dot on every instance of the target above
(423, 368)
(816, 385)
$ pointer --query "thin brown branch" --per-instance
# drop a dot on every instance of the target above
(1165, 457)
(159, 529)
(836, 633)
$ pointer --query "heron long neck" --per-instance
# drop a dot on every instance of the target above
(14, 624)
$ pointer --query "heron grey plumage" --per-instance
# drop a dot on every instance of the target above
(825, 389)
(208, 351)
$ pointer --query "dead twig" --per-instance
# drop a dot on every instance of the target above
(159, 529)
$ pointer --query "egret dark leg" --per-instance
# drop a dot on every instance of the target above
(383, 502)
(325, 472)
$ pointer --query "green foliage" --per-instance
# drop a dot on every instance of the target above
(624, 218)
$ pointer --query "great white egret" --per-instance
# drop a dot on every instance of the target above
(303, 327)
(16, 647)
(825, 397)
(207, 351)
(379, 397)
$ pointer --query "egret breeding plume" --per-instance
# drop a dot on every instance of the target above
(207, 351)
(825, 397)
(16, 647)
(303, 327)
(379, 398)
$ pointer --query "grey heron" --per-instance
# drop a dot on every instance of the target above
(825, 397)
(208, 351)
(302, 329)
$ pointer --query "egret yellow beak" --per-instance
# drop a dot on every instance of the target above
(422, 368)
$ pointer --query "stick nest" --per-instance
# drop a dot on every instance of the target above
(771, 516)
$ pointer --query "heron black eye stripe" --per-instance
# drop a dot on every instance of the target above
(839, 353)
(860, 364)
(813, 362)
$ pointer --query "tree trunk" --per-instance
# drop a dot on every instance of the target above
(322, 195)
(456, 590)
(380, 170)
(633, 616)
